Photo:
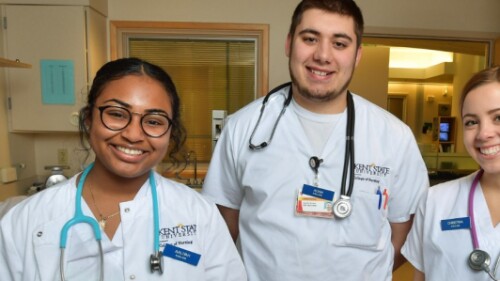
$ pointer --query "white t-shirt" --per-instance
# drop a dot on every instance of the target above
(443, 254)
(278, 245)
(30, 235)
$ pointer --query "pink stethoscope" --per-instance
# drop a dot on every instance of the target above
(478, 259)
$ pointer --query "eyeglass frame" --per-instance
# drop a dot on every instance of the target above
(142, 115)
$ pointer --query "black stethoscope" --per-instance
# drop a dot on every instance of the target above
(478, 259)
(342, 207)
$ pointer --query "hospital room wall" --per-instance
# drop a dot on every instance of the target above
(426, 17)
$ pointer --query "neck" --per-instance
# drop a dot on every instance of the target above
(108, 183)
(490, 182)
(490, 185)
(333, 105)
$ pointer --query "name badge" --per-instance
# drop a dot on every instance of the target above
(454, 224)
(180, 254)
(314, 202)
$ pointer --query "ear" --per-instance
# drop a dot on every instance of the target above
(358, 55)
(288, 45)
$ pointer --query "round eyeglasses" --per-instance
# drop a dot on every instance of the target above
(116, 118)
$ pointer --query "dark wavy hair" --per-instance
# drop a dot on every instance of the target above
(485, 76)
(342, 7)
(120, 68)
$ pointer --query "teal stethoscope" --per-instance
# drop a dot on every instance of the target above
(156, 260)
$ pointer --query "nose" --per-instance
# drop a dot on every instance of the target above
(323, 53)
(486, 131)
(134, 132)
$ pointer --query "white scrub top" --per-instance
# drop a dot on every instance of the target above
(443, 255)
(30, 235)
(276, 244)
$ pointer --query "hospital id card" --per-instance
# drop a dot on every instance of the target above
(313, 201)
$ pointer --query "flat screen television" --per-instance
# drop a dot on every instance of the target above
(444, 131)
(444, 136)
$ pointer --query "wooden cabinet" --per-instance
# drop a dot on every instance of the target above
(444, 133)
(75, 35)
(13, 63)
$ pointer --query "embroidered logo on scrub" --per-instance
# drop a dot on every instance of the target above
(181, 234)
(371, 170)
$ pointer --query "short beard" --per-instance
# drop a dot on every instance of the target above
(317, 97)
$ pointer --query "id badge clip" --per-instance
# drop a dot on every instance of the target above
(313, 201)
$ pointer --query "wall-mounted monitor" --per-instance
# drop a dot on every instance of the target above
(444, 136)
(444, 127)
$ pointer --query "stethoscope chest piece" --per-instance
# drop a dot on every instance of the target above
(479, 260)
(156, 262)
(342, 208)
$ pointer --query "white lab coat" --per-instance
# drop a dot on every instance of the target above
(30, 235)
(278, 245)
(443, 255)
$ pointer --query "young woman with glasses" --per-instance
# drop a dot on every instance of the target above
(148, 227)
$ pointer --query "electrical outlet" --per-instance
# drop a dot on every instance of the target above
(62, 156)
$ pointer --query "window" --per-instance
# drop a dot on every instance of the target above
(214, 67)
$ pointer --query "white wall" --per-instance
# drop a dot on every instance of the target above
(429, 17)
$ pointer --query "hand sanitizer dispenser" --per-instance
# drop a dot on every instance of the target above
(218, 119)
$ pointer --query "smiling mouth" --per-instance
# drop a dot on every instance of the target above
(129, 151)
(319, 73)
(490, 150)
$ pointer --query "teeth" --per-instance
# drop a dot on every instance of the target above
(321, 73)
(490, 150)
(129, 151)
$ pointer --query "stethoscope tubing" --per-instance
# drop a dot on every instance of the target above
(470, 209)
(262, 109)
(473, 231)
(349, 147)
(79, 217)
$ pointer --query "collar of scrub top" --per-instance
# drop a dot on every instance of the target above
(156, 260)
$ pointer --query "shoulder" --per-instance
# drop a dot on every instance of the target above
(381, 127)
(274, 101)
(181, 195)
(452, 191)
(48, 205)
(375, 114)
(452, 185)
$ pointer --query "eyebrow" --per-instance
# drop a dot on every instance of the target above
(128, 106)
(317, 33)
(489, 112)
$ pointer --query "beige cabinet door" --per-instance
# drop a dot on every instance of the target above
(50, 34)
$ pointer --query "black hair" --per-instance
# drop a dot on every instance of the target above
(120, 68)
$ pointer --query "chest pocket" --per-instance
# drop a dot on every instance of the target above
(364, 227)
(80, 244)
